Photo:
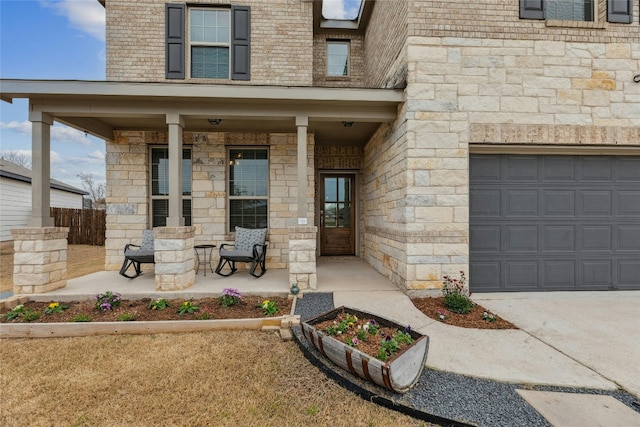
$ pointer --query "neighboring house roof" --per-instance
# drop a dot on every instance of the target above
(13, 171)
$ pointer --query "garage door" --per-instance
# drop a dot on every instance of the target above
(543, 223)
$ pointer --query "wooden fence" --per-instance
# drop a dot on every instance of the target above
(86, 226)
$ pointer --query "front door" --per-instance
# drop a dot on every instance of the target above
(337, 214)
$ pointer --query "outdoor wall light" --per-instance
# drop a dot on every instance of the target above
(214, 121)
(636, 78)
(347, 124)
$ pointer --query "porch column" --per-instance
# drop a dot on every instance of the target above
(41, 169)
(176, 124)
(302, 237)
(302, 122)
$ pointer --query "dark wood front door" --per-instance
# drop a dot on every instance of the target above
(337, 214)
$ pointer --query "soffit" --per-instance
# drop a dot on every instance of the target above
(102, 107)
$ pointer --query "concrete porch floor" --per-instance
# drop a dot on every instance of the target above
(334, 274)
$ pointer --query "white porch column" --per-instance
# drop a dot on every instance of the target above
(302, 122)
(176, 124)
(41, 169)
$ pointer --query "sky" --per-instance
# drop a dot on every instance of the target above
(65, 40)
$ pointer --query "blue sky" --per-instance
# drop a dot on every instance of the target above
(64, 40)
(52, 40)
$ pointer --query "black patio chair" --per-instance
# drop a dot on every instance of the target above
(135, 257)
(249, 247)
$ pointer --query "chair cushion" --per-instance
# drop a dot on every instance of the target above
(147, 240)
(246, 238)
(138, 252)
(225, 253)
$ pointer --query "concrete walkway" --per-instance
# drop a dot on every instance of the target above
(584, 340)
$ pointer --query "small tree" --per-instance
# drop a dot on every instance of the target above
(97, 191)
(18, 158)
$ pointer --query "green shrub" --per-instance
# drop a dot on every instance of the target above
(456, 295)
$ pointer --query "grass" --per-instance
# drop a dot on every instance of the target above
(244, 378)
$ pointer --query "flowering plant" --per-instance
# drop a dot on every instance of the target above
(489, 316)
(55, 307)
(383, 342)
(443, 315)
(15, 312)
(187, 307)
(159, 304)
(457, 297)
(269, 308)
(229, 297)
(107, 301)
(20, 311)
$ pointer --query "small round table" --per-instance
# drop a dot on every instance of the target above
(203, 255)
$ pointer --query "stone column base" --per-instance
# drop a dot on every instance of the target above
(174, 258)
(40, 259)
(302, 257)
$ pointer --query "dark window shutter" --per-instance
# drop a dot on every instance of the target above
(174, 55)
(241, 43)
(620, 11)
(532, 9)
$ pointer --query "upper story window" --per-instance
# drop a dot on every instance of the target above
(617, 11)
(218, 42)
(209, 38)
(338, 58)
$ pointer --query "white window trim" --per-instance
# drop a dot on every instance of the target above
(205, 44)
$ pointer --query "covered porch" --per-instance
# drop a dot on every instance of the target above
(131, 117)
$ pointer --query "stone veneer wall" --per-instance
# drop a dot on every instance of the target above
(40, 259)
(356, 58)
(496, 91)
(281, 41)
(128, 188)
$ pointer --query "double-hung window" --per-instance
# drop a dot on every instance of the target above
(209, 39)
(214, 43)
(618, 11)
(160, 186)
(338, 58)
(248, 187)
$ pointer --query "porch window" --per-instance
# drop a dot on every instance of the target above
(338, 58)
(160, 186)
(248, 187)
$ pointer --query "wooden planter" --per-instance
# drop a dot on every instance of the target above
(398, 374)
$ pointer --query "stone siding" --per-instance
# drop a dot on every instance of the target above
(128, 192)
(135, 34)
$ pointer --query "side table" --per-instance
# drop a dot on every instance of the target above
(203, 257)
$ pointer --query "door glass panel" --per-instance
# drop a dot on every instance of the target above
(330, 215)
(330, 186)
(344, 217)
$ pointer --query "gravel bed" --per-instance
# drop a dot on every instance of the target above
(440, 397)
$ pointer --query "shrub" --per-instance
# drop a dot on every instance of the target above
(456, 295)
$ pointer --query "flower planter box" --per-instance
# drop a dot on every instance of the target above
(398, 374)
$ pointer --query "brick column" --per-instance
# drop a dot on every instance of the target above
(174, 258)
(40, 259)
(302, 256)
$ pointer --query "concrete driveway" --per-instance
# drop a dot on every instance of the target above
(600, 330)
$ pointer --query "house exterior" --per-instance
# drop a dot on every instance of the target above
(496, 138)
(15, 197)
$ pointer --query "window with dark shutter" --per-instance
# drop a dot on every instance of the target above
(620, 11)
(174, 55)
(532, 9)
(241, 42)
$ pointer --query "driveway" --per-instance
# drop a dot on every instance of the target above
(600, 330)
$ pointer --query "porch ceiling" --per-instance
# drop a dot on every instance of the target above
(100, 108)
